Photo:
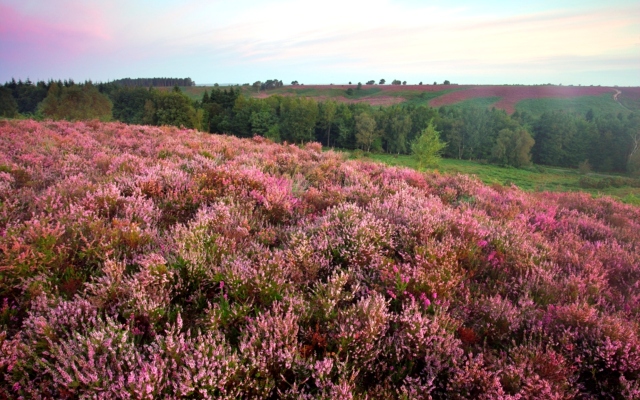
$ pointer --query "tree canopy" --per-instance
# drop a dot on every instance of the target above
(76, 102)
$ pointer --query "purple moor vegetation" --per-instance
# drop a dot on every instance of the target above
(144, 262)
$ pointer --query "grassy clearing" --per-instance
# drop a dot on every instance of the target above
(478, 102)
(421, 98)
(534, 179)
(603, 104)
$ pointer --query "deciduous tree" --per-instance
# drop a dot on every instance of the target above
(513, 147)
(76, 102)
(365, 131)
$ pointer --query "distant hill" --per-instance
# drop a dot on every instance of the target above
(534, 99)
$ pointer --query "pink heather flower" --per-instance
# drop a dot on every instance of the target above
(221, 285)
(390, 293)
(482, 243)
(425, 300)
(434, 295)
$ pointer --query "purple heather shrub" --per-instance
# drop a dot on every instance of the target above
(351, 237)
(475, 380)
(215, 233)
(156, 262)
(201, 365)
(270, 347)
(533, 371)
(424, 348)
(494, 319)
(6, 182)
(361, 329)
(340, 289)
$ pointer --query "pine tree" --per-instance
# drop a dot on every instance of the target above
(427, 147)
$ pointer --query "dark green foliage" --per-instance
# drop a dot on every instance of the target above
(513, 148)
(27, 95)
(171, 108)
(128, 104)
(566, 140)
(76, 102)
(8, 105)
(616, 135)
(271, 84)
(298, 119)
(218, 109)
(156, 82)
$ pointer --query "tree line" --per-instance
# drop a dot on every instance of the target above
(605, 142)
(156, 82)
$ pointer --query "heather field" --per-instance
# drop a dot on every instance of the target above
(523, 98)
(152, 262)
(509, 96)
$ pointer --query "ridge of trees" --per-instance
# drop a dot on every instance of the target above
(156, 82)
(608, 141)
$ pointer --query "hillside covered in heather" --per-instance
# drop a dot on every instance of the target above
(153, 262)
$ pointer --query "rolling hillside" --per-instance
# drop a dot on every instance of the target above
(531, 99)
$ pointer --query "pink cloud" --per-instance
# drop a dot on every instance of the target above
(22, 35)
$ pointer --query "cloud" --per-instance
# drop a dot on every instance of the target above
(26, 37)
(381, 36)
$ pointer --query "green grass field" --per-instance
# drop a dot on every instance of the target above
(478, 102)
(533, 179)
(603, 104)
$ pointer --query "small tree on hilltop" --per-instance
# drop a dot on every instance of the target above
(382, 81)
(427, 147)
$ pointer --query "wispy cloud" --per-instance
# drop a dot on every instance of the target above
(405, 38)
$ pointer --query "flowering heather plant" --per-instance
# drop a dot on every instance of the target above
(153, 262)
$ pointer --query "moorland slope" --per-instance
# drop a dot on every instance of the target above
(154, 262)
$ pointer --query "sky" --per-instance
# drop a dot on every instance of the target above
(330, 41)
